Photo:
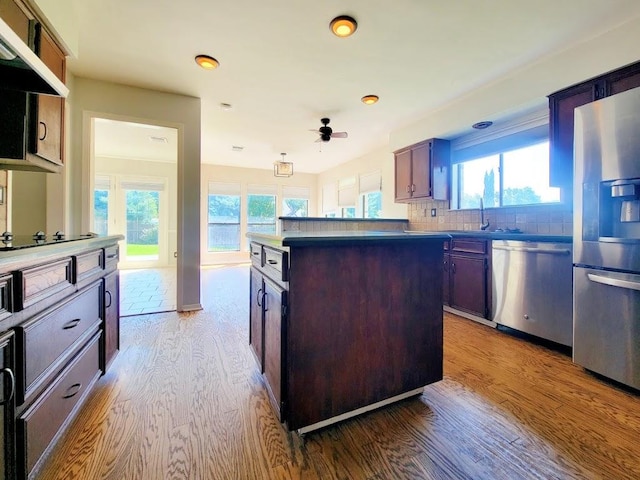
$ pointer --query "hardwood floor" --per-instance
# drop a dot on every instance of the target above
(184, 400)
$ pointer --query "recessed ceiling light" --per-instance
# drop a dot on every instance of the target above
(226, 106)
(237, 148)
(482, 125)
(158, 139)
(370, 99)
(207, 62)
(343, 26)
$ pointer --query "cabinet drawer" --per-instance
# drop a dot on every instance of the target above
(276, 264)
(88, 264)
(6, 296)
(111, 256)
(37, 283)
(469, 245)
(44, 341)
(256, 254)
(39, 424)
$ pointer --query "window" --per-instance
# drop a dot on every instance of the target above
(505, 171)
(261, 209)
(329, 200)
(371, 204)
(295, 201)
(101, 190)
(223, 218)
(348, 212)
(370, 195)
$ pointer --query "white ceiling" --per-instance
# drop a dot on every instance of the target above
(281, 69)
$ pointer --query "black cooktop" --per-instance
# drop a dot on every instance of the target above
(9, 241)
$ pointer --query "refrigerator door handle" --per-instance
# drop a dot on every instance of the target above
(614, 282)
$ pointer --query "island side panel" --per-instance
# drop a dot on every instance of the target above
(364, 325)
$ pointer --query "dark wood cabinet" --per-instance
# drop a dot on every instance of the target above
(345, 324)
(421, 171)
(267, 318)
(561, 118)
(466, 280)
(7, 403)
(60, 318)
(111, 319)
(31, 125)
(256, 316)
(274, 305)
(47, 112)
(446, 277)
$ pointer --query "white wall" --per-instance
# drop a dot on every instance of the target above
(381, 159)
(92, 98)
(244, 177)
(505, 97)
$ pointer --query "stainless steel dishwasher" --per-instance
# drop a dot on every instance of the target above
(532, 288)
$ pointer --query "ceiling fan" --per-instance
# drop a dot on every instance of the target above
(327, 133)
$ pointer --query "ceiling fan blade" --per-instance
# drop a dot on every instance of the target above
(318, 140)
(339, 135)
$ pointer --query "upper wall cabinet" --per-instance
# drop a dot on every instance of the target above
(422, 171)
(561, 107)
(31, 125)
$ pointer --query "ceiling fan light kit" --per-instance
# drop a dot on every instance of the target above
(343, 26)
(207, 62)
(282, 168)
(370, 99)
(327, 133)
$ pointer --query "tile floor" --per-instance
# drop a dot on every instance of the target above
(149, 290)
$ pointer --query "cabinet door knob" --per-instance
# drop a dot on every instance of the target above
(453, 267)
(44, 135)
(12, 385)
(413, 187)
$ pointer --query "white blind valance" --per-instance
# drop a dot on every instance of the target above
(102, 182)
(143, 185)
(347, 192)
(295, 192)
(329, 198)
(371, 182)
(221, 188)
(262, 189)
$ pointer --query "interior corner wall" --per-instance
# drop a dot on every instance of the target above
(506, 96)
(28, 197)
(109, 100)
(380, 159)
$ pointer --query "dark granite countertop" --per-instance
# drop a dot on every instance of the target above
(305, 239)
(523, 237)
(346, 220)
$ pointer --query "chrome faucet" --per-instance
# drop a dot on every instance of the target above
(483, 226)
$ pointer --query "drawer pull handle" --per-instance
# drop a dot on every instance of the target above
(44, 135)
(258, 297)
(255, 252)
(73, 390)
(12, 383)
(272, 262)
(71, 324)
(107, 292)
(111, 255)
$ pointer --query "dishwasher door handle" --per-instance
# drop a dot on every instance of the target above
(614, 282)
(534, 250)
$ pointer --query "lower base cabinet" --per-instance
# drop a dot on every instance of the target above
(60, 317)
(39, 425)
(466, 276)
(7, 403)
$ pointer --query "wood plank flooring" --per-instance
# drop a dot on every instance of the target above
(184, 400)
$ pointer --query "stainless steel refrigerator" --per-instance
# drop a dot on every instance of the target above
(606, 235)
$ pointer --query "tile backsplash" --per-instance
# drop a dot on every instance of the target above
(556, 219)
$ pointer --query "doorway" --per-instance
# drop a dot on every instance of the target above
(135, 196)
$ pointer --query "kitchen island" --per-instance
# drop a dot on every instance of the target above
(345, 322)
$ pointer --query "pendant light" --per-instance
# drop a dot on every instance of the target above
(282, 168)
